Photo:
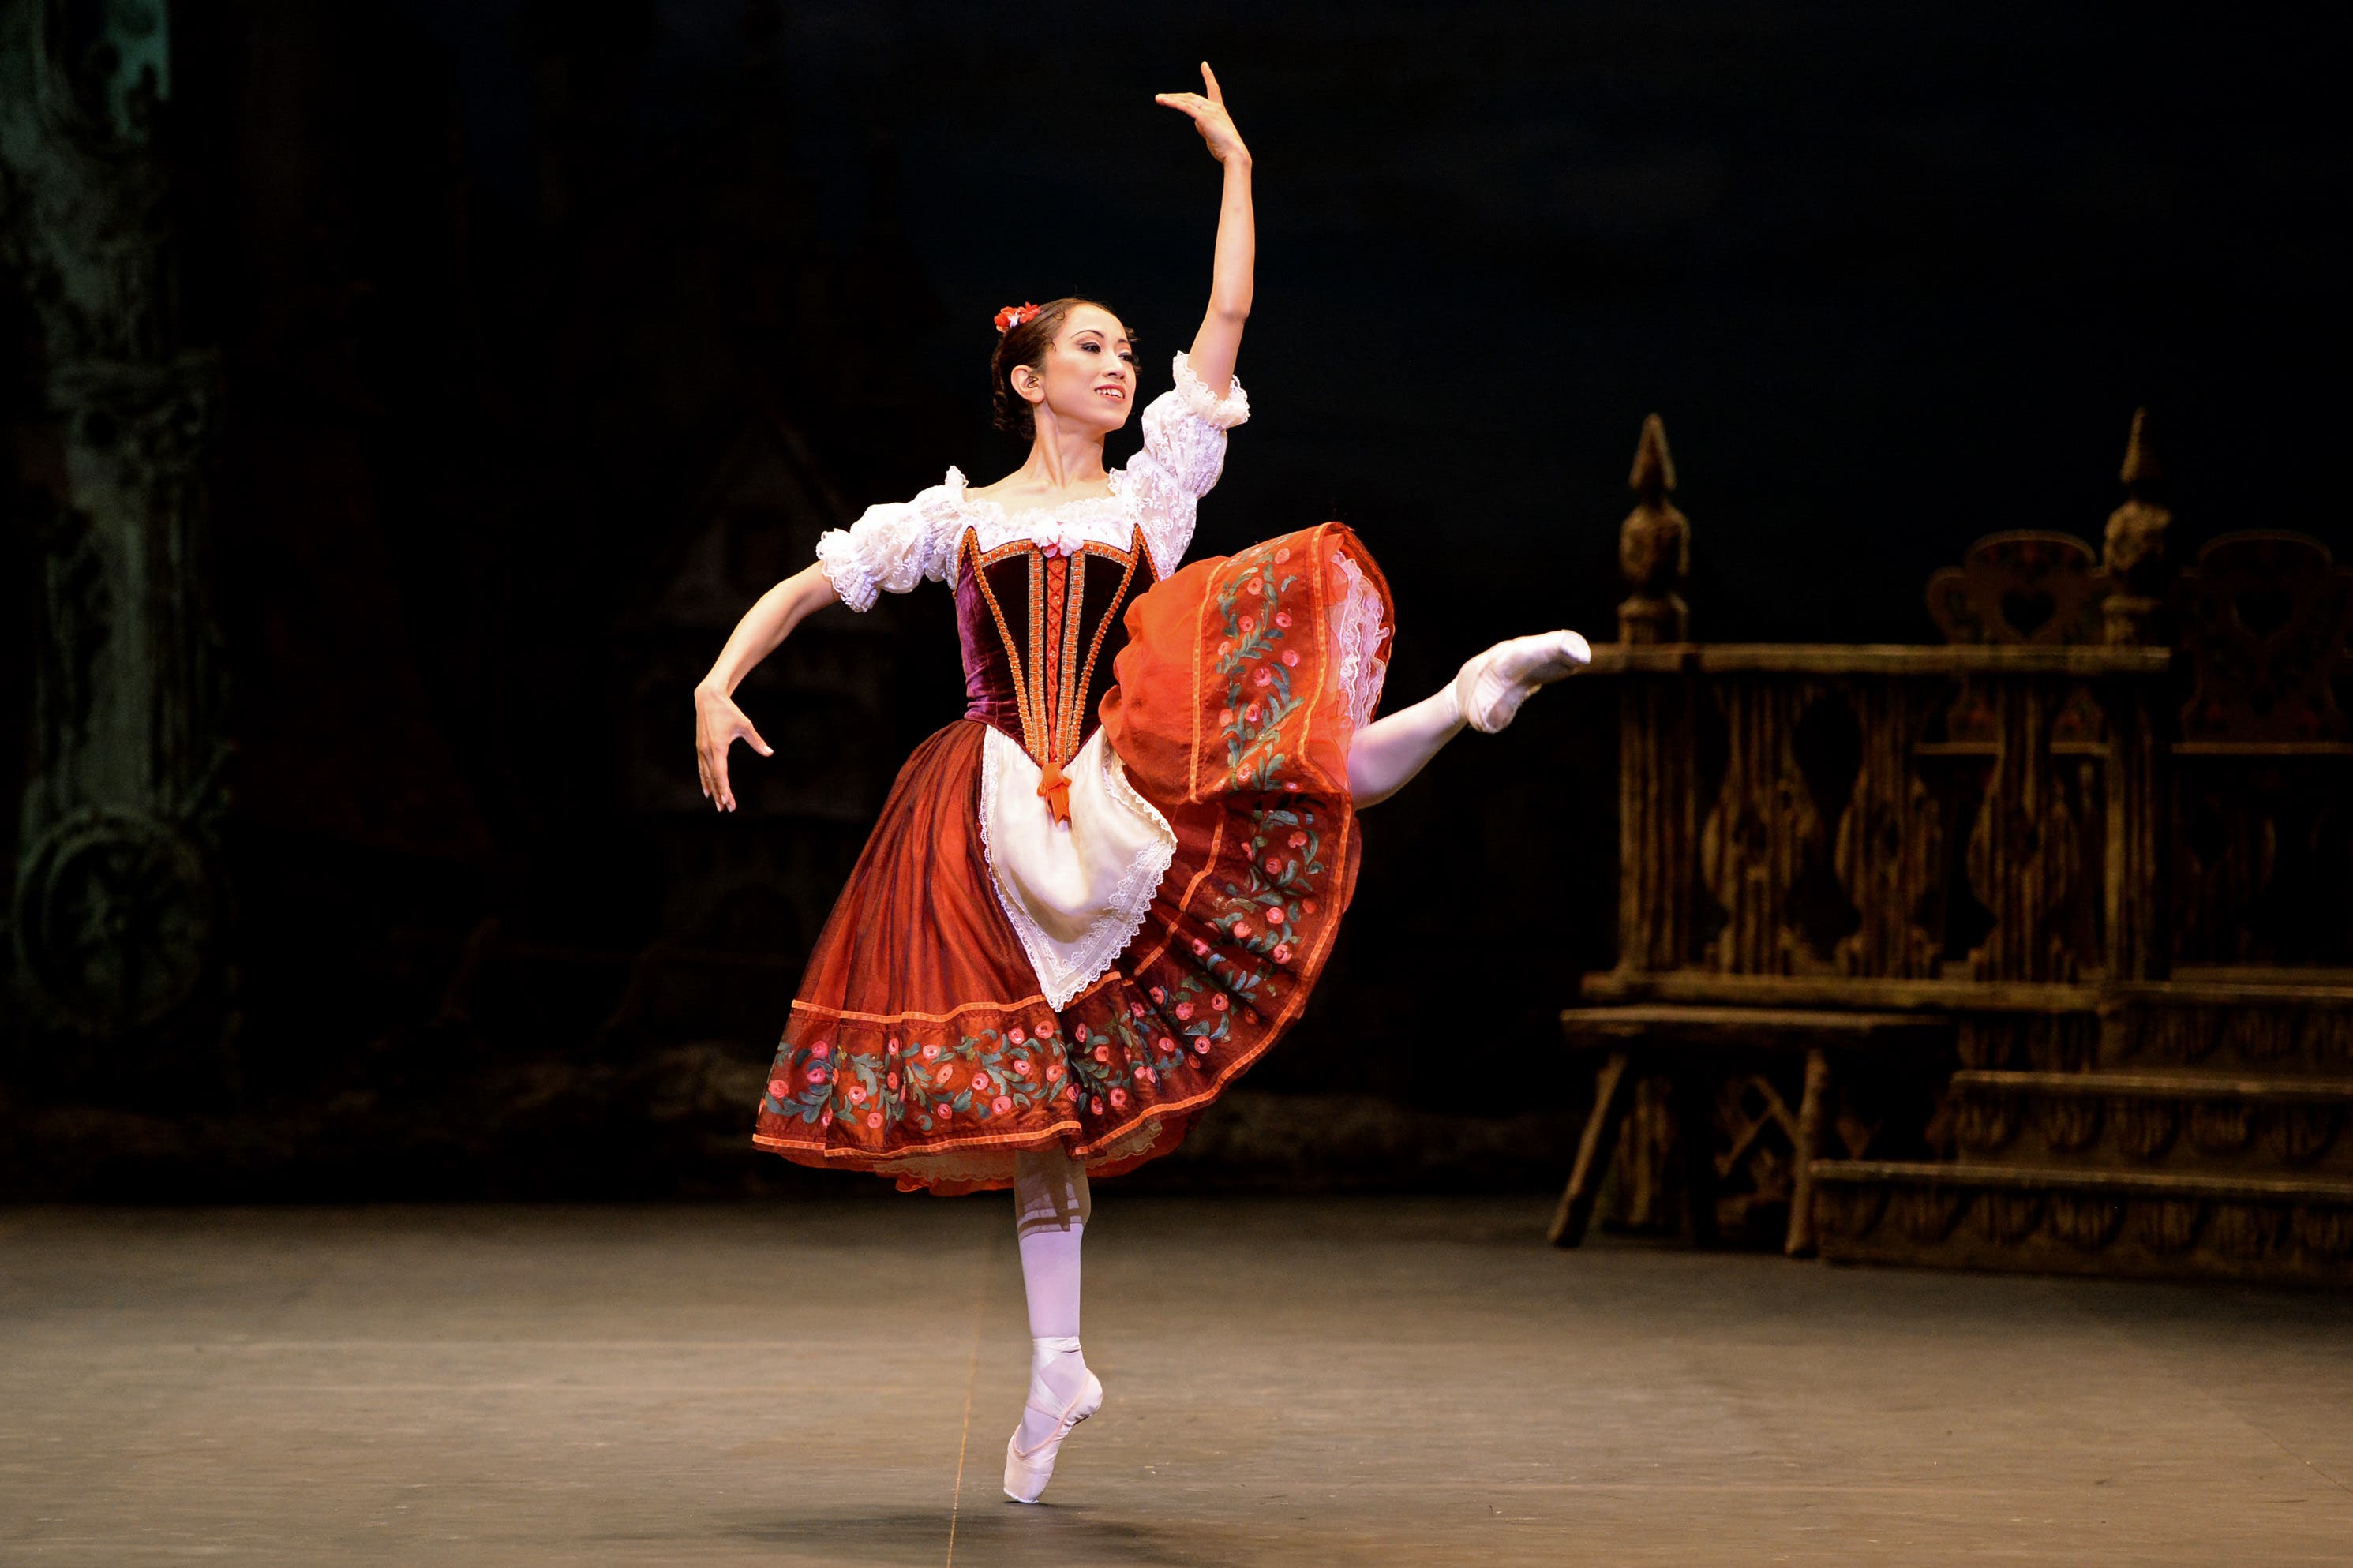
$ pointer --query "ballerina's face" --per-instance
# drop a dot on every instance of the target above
(1088, 377)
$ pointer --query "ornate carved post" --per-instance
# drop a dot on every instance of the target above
(2136, 560)
(1656, 821)
(119, 895)
(2135, 553)
(1653, 547)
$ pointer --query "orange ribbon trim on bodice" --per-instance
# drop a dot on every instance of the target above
(1055, 787)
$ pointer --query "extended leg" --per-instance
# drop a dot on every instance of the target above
(1050, 1206)
(1484, 694)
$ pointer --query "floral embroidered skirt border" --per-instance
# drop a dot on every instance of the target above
(919, 1045)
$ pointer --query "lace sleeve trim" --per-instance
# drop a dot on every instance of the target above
(836, 554)
(1194, 393)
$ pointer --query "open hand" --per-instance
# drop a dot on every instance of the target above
(717, 724)
(1209, 118)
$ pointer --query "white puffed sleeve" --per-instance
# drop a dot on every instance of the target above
(894, 546)
(1183, 452)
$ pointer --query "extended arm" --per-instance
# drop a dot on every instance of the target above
(1219, 340)
(717, 720)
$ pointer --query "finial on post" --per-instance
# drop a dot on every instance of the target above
(2135, 544)
(1653, 547)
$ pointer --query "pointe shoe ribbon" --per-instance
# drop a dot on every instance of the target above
(1490, 686)
(1027, 1470)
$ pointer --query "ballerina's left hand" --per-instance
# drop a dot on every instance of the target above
(1209, 118)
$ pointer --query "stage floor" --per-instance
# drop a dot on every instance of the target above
(1367, 1381)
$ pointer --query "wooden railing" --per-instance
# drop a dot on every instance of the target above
(2114, 787)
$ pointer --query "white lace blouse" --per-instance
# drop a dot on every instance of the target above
(897, 544)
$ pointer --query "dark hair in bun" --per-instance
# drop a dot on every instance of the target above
(1027, 344)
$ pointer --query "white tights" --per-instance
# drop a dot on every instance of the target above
(1050, 1204)
(1484, 694)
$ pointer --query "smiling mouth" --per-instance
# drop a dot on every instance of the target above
(1112, 391)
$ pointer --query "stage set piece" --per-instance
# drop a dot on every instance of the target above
(2032, 950)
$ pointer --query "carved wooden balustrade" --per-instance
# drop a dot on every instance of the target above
(2103, 834)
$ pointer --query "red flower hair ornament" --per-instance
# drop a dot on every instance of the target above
(1014, 316)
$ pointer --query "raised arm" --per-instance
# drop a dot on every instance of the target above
(1220, 340)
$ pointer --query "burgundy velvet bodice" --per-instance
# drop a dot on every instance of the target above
(1039, 633)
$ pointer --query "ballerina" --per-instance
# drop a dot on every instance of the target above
(1096, 899)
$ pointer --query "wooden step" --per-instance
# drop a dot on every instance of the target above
(2062, 1219)
(2177, 1121)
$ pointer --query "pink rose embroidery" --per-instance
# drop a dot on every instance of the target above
(1291, 657)
(980, 1083)
(932, 1053)
(1263, 676)
(873, 1118)
(1282, 555)
(1053, 1071)
(1102, 1053)
(894, 1043)
(1136, 1009)
(1218, 1000)
(1281, 954)
(821, 1049)
(1045, 1028)
(1282, 618)
(1274, 915)
(857, 1094)
(944, 1112)
(1015, 1035)
(1242, 930)
(1299, 841)
(1249, 1014)
(1118, 1097)
(1022, 1066)
(1159, 994)
(1307, 906)
(1201, 1047)
(944, 1077)
(817, 1075)
(890, 1081)
(1200, 950)
(1146, 1075)
(1184, 1009)
(1167, 1045)
(1079, 1033)
(779, 1088)
(1095, 1105)
(1250, 712)
(1001, 1104)
(1226, 718)
(1250, 625)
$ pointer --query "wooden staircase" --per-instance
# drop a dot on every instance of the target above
(2211, 1136)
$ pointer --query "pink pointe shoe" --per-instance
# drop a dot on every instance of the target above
(1490, 686)
(1027, 1471)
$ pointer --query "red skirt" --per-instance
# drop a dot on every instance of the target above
(919, 1045)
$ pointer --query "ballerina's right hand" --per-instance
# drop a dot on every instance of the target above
(717, 725)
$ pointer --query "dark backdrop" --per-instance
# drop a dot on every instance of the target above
(552, 333)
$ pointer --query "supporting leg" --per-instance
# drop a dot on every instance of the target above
(1050, 1207)
(1695, 1132)
(1613, 1094)
(1810, 1113)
